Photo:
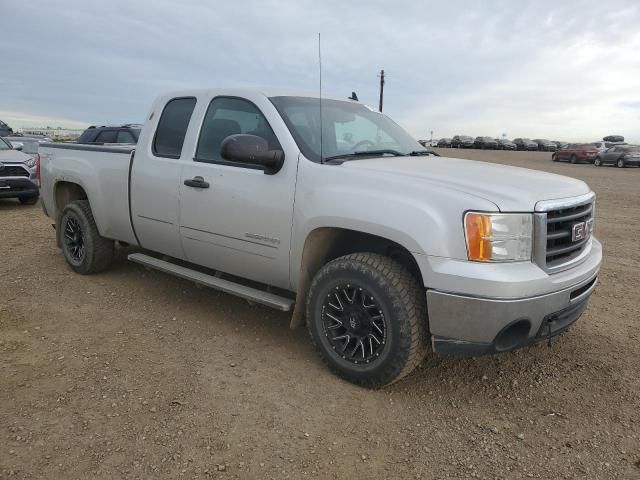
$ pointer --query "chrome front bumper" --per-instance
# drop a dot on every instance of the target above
(469, 326)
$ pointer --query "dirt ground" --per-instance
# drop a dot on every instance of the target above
(136, 374)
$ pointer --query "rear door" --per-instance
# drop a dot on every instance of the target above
(155, 177)
(238, 219)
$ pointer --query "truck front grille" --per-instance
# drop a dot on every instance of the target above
(13, 171)
(561, 247)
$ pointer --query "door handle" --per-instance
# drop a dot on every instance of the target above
(196, 182)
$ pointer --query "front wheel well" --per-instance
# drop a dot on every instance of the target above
(328, 243)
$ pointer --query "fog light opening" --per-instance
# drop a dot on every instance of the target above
(512, 336)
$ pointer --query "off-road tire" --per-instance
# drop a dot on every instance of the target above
(28, 200)
(403, 303)
(99, 251)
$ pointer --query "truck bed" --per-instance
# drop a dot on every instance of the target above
(103, 172)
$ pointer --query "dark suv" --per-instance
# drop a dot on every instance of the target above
(462, 141)
(99, 135)
(545, 145)
(485, 143)
(525, 144)
(505, 144)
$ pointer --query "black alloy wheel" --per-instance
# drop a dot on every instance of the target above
(354, 323)
(73, 240)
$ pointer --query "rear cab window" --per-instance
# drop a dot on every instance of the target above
(172, 127)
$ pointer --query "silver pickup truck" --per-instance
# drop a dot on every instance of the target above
(332, 210)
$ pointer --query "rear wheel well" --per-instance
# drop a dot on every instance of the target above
(67, 192)
(328, 243)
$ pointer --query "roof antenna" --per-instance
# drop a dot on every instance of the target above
(320, 99)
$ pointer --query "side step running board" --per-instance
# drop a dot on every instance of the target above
(248, 293)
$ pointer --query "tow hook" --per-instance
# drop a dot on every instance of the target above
(549, 322)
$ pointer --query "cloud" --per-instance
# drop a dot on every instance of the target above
(541, 69)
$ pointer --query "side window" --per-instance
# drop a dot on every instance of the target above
(172, 127)
(124, 136)
(87, 136)
(230, 116)
(106, 136)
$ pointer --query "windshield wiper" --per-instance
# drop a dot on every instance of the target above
(367, 153)
(418, 153)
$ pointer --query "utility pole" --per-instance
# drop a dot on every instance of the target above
(381, 89)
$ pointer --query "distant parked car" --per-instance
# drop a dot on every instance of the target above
(485, 143)
(576, 153)
(462, 141)
(444, 143)
(5, 130)
(98, 135)
(545, 145)
(525, 144)
(560, 144)
(505, 144)
(19, 174)
(619, 155)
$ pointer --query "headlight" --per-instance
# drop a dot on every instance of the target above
(31, 162)
(498, 237)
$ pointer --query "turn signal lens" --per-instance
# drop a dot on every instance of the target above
(478, 229)
(498, 237)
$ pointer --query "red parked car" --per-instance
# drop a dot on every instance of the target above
(576, 153)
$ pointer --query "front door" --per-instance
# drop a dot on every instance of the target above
(233, 217)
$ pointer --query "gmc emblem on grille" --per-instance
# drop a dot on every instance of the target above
(581, 230)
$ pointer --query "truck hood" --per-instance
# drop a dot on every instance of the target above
(509, 188)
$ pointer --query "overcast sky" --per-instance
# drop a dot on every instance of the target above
(567, 70)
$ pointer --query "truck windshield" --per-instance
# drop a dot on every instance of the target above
(348, 128)
(4, 145)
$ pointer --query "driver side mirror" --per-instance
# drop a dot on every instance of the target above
(17, 146)
(252, 150)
